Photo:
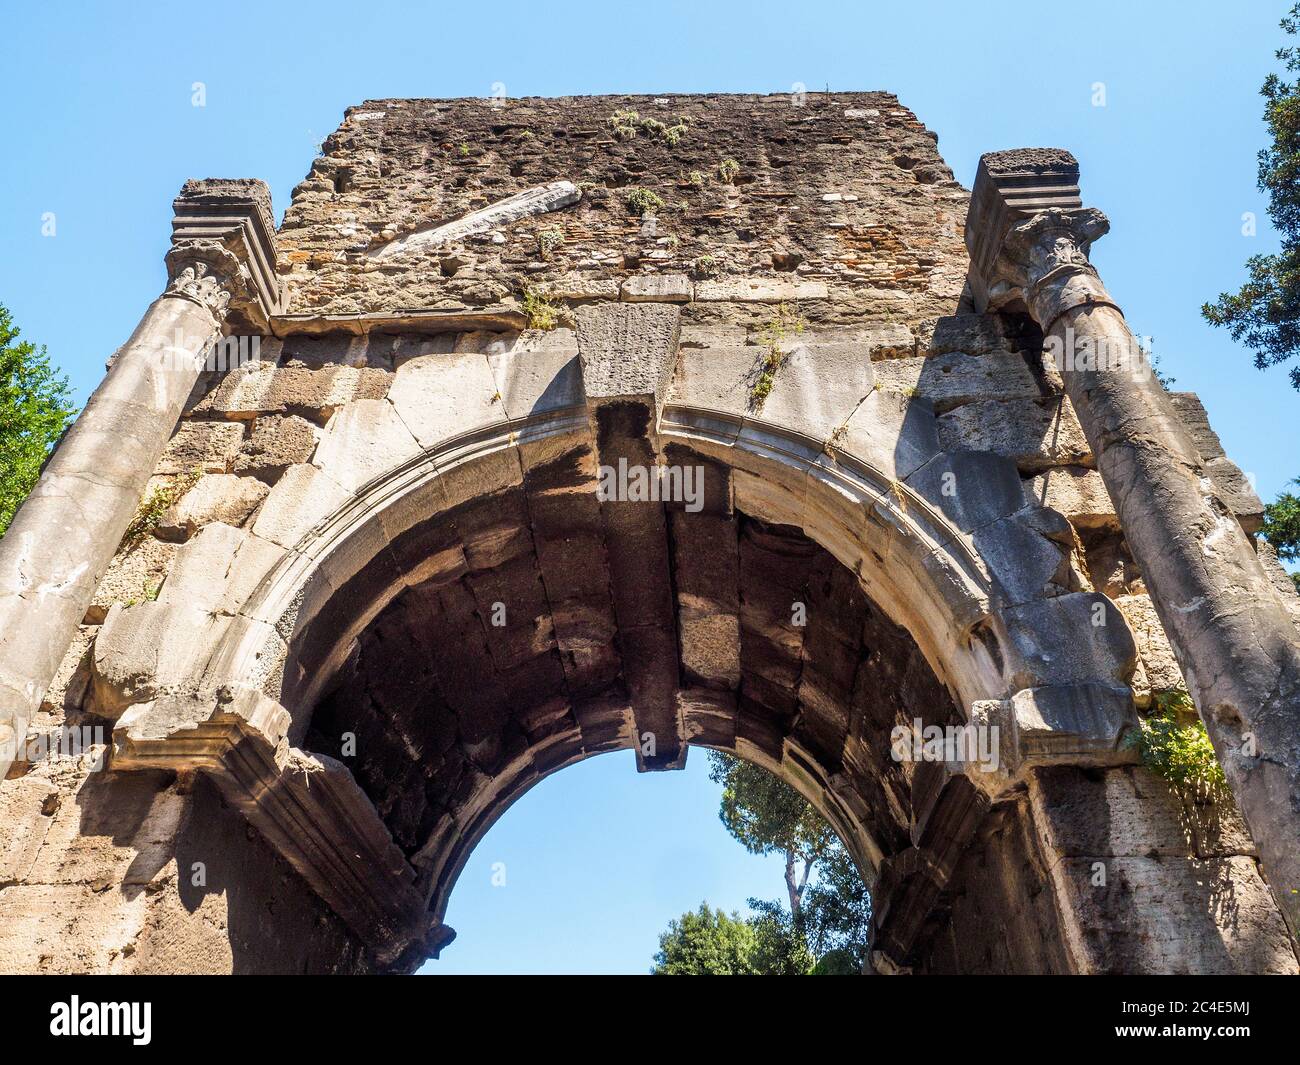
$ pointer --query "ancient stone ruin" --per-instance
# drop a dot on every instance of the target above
(546, 428)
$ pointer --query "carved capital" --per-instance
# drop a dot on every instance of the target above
(223, 251)
(1028, 235)
(1043, 263)
(205, 273)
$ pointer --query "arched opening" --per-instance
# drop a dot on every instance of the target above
(602, 870)
(505, 661)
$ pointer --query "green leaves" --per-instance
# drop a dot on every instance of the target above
(1264, 313)
(1174, 745)
(706, 943)
(35, 409)
(765, 815)
(1282, 525)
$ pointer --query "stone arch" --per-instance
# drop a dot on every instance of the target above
(340, 541)
(931, 461)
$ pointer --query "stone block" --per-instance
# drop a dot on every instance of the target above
(627, 350)
(439, 397)
(758, 290)
(147, 649)
(1154, 652)
(276, 442)
(950, 380)
(890, 433)
(363, 440)
(971, 488)
(133, 575)
(656, 288)
(1028, 554)
(1073, 638)
(1035, 434)
(1072, 724)
(300, 500)
(219, 568)
(207, 446)
(221, 497)
(817, 387)
(973, 334)
(1076, 492)
(263, 388)
(1236, 490)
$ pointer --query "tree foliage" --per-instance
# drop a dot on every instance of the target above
(822, 928)
(706, 943)
(35, 409)
(1265, 313)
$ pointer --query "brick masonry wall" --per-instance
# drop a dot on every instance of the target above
(847, 194)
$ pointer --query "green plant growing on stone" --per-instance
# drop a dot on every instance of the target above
(728, 171)
(542, 313)
(548, 240)
(772, 335)
(151, 509)
(706, 266)
(641, 202)
(696, 178)
(463, 149)
(674, 133)
(624, 124)
(1174, 745)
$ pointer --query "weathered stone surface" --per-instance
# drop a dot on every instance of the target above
(1279, 578)
(135, 574)
(264, 388)
(438, 397)
(973, 334)
(1076, 492)
(753, 290)
(364, 440)
(627, 350)
(219, 568)
(207, 446)
(891, 433)
(275, 442)
(950, 380)
(972, 489)
(1073, 638)
(1072, 724)
(145, 650)
(1157, 657)
(657, 288)
(1035, 434)
(300, 499)
(216, 497)
(540, 200)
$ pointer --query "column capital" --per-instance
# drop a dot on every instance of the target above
(1028, 235)
(223, 250)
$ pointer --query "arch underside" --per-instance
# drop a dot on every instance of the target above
(544, 629)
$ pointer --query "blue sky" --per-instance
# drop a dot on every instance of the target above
(100, 131)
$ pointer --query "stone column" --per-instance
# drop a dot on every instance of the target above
(1029, 238)
(221, 270)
